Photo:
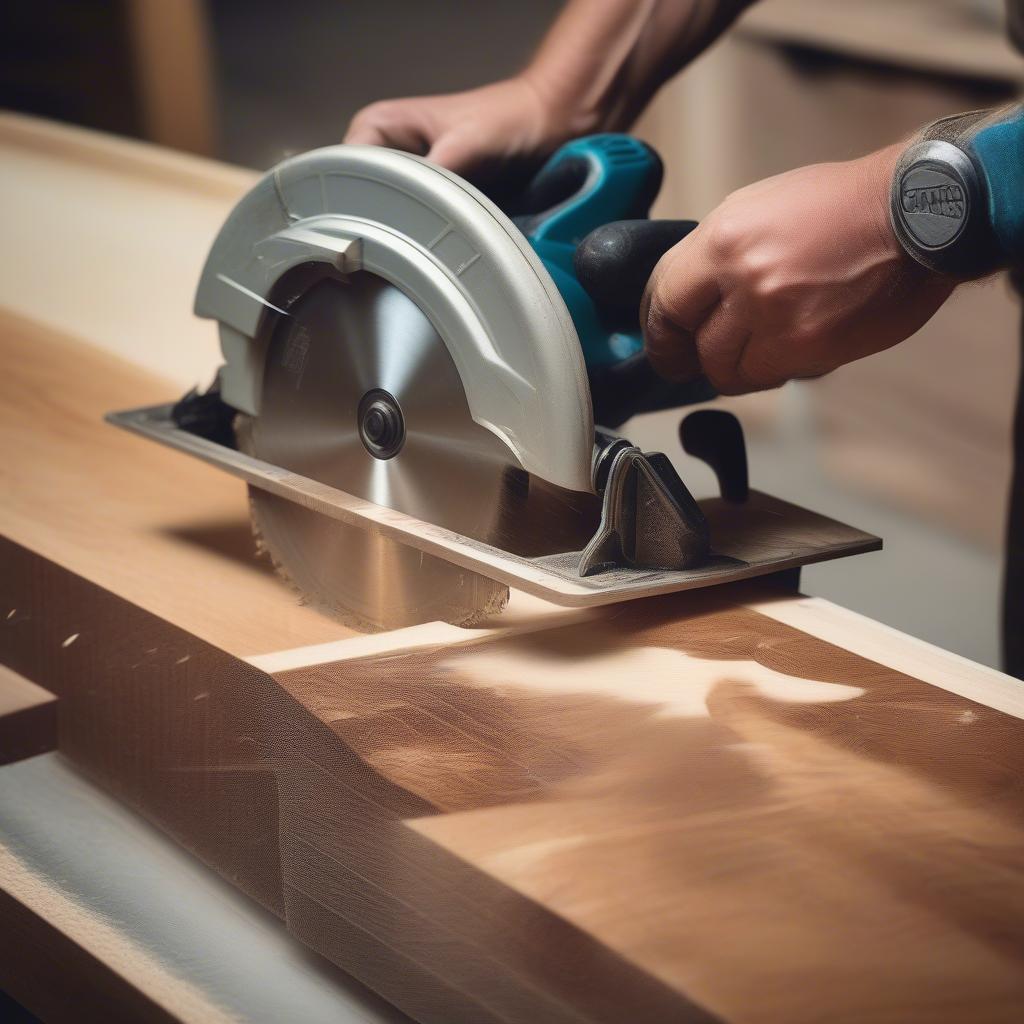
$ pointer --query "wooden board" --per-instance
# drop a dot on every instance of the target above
(681, 810)
(143, 522)
(459, 820)
(765, 826)
(710, 806)
(71, 967)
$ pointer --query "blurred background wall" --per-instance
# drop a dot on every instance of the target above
(913, 444)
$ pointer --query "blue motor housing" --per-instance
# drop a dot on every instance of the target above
(586, 216)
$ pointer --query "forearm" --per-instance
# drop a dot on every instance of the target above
(603, 60)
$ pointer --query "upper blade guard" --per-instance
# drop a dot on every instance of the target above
(344, 209)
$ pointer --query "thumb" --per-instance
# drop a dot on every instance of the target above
(680, 295)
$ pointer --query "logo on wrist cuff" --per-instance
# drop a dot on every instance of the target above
(933, 205)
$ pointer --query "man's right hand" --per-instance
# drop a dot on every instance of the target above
(483, 134)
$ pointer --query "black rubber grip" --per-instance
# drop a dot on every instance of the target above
(615, 261)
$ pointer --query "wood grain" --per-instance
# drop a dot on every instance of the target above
(454, 826)
(682, 810)
(765, 824)
(165, 531)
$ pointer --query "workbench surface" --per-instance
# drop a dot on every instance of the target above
(739, 805)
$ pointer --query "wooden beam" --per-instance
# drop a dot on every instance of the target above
(457, 816)
(707, 806)
(684, 810)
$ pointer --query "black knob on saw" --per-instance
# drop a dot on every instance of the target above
(613, 264)
(381, 424)
(615, 261)
(716, 437)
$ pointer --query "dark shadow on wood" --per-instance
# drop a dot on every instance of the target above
(232, 539)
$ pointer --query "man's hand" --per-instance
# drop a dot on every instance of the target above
(791, 277)
(479, 134)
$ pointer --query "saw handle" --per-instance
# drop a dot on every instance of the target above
(589, 181)
(613, 265)
(615, 261)
(580, 213)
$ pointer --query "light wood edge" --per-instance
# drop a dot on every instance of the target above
(106, 945)
(886, 646)
(124, 156)
(845, 629)
(422, 637)
(19, 694)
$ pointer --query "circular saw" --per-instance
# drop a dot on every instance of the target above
(412, 378)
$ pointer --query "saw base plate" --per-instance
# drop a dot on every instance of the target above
(755, 537)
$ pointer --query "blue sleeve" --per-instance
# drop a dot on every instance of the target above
(996, 146)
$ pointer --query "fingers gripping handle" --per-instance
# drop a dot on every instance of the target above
(613, 264)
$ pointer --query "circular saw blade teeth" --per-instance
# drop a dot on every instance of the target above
(441, 591)
(342, 406)
(361, 393)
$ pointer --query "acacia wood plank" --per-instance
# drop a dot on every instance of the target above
(682, 810)
(166, 532)
(397, 819)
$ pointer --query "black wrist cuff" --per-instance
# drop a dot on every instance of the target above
(939, 210)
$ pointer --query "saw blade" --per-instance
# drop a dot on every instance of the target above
(360, 392)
